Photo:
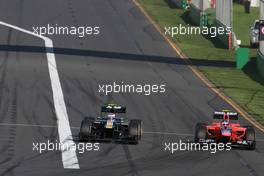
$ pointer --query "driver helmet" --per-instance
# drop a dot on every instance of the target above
(111, 115)
(225, 123)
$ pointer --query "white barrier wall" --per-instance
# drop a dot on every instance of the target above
(255, 3)
(224, 12)
(261, 46)
(201, 4)
(196, 3)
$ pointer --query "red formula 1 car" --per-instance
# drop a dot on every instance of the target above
(226, 130)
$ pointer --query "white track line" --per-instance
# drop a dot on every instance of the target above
(69, 157)
(32, 125)
(167, 133)
(27, 125)
(77, 128)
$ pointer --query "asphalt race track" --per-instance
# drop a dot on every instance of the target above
(117, 54)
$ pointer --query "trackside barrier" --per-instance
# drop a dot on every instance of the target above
(224, 18)
(242, 57)
(181, 3)
(195, 14)
(197, 7)
(260, 64)
(184, 4)
(203, 19)
(178, 3)
(224, 12)
(260, 56)
(224, 39)
(261, 46)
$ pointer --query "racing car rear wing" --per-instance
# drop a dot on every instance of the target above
(113, 109)
(231, 115)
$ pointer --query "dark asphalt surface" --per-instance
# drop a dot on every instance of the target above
(26, 95)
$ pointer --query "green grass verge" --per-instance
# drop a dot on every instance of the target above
(244, 86)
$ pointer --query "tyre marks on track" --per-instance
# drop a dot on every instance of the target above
(245, 164)
(3, 87)
(8, 163)
(12, 129)
(73, 17)
(8, 110)
(133, 170)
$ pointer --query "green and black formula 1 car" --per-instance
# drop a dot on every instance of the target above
(111, 125)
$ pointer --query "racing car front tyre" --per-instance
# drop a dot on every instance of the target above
(135, 130)
(251, 136)
(86, 128)
(200, 132)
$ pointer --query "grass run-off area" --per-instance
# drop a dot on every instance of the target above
(245, 86)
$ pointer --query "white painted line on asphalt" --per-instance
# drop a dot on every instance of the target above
(69, 157)
(27, 125)
(167, 133)
(32, 125)
(77, 128)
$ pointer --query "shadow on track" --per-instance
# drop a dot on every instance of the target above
(119, 56)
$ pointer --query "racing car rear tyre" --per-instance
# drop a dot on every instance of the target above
(251, 136)
(135, 130)
(200, 132)
(86, 128)
(140, 131)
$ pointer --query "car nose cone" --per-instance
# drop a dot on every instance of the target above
(226, 132)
